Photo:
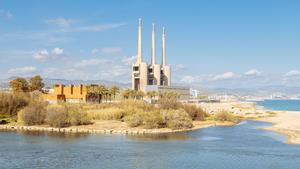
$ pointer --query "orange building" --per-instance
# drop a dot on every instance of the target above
(70, 93)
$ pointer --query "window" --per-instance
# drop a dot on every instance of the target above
(136, 68)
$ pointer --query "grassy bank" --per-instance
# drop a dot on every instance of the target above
(30, 110)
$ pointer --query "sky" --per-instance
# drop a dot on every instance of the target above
(210, 43)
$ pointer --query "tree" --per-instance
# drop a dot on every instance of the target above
(19, 85)
(140, 94)
(114, 90)
(36, 83)
(151, 94)
(101, 91)
(126, 93)
(92, 93)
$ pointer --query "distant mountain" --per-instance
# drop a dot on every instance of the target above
(4, 83)
(262, 91)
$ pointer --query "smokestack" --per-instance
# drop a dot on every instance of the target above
(153, 45)
(164, 47)
(140, 57)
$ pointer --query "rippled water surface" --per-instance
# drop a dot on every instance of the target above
(289, 105)
(240, 147)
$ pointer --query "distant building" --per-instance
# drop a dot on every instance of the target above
(70, 93)
(154, 76)
(144, 74)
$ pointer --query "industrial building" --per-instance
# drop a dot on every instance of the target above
(154, 76)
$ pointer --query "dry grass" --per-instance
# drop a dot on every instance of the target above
(227, 116)
(111, 113)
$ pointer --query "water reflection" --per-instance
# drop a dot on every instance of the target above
(242, 147)
(161, 137)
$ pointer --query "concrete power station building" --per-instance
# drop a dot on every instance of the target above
(154, 76)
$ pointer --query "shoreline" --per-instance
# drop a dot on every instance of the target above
(129, 131)
(285, 123)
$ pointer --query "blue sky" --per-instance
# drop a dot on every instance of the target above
(211, 43)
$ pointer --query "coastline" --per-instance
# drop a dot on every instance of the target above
(286, 123)
(120, 130)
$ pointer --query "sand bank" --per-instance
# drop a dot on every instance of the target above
(287, 123)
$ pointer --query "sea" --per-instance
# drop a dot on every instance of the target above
(288, 105)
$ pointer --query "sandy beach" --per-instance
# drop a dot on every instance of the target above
(287, 123)
(284, 122)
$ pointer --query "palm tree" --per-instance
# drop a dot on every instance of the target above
(101, 91)
(92, 92)
(151, 94)
(114, 90)
(126, 93)
(139, 94)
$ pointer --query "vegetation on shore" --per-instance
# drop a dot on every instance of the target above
(26, 106)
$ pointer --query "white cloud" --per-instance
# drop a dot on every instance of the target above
(41, 55)
(292, 73)
(61, 22)
(93, 28)
(22, 70)
(188, 79)
(44, 55)
(225, 76)
(179, 66)
(6, 14)
(129, 60)
(57, 51)
(94, 51)
(111, 50)
(91, 62)
(253, 72)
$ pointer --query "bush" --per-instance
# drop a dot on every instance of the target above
(168, 101)
(12, 103)
(57, 116)
(33, 114)
(177, 119)
(134, 120)
(226, 116)
(153, 120)
(106, 114)
(137, 104)
(77, 115)
(196, 113)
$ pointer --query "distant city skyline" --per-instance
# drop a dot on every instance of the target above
(209, 43)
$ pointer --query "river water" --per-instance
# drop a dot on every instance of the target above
(244, 146)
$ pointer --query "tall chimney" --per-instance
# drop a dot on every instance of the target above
(153, 45)
(164, 47)
(140, 57)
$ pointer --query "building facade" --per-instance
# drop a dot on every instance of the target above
(70, 93)
(154, 74)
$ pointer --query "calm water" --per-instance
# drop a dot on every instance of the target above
(289, 105)
(239, 147)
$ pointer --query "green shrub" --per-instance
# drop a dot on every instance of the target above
(12, 103)
(168, 100)
(153, 120)
(57, 116)
(134, 120)
(226, 116)
(177, 119)
(33, 114)
(196, 113)
(77, 115)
